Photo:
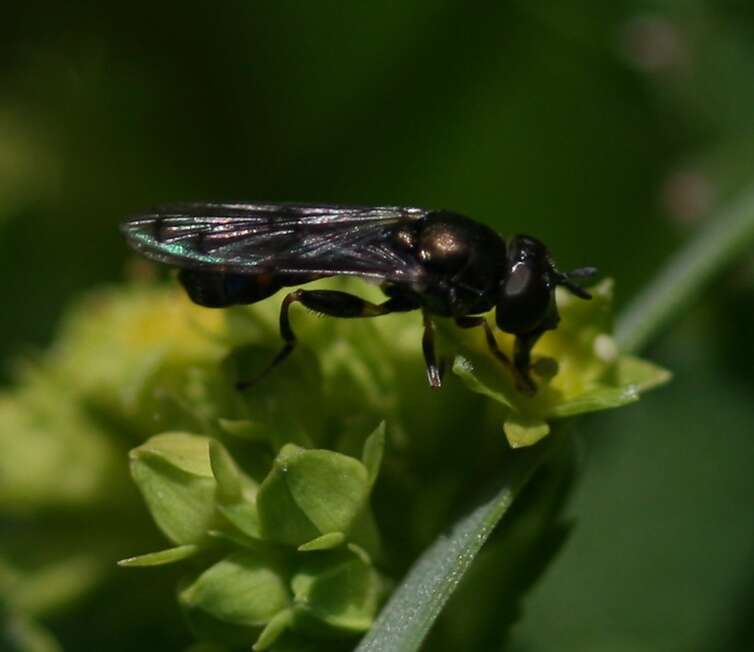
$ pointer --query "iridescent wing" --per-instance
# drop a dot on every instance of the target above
(290, 239)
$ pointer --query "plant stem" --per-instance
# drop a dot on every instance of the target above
(710, 251)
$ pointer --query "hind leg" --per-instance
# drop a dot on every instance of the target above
(326, 302)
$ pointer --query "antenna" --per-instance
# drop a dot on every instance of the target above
(567, 280)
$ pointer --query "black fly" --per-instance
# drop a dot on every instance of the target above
(440, 262)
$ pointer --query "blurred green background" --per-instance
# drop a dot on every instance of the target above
(612, 131)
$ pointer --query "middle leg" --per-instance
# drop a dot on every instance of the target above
(435, 372)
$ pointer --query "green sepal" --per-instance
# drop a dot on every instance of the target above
(236, 492)
(242, 428)
(161, 557)
(362, 554)
(471, 377)
(242, 516)
(337, 589)
(207, 627)
(246, 588)
(365, 534)
(309, 493)
(325, 542)
(173, 473)
(524, 431)
(639, 373)
(271, 633)
(603, 398)
(628, 378)
(374, 449)
(235, 538)
(226, 473)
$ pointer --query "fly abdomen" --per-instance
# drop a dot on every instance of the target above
(220, 289)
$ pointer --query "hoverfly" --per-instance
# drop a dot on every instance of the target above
(439, 262)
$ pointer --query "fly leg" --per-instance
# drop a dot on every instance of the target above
(435, 372)
(472, 322)
(326, 302)
(522, 355)
(519, 367)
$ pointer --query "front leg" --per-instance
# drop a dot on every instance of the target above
(519, 367)
(522, 354)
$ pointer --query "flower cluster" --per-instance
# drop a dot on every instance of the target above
(580, 369)
(292, 552)
(290, 507)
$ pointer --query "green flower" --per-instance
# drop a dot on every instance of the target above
(580, 369)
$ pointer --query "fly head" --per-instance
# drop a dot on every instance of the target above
(526, 298)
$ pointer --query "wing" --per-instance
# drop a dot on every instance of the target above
(291, 239)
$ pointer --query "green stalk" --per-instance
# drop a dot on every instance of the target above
(688, 272)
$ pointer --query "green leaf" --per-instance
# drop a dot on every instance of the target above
(339, 589)
(245, 588)
(412, 609)
(173, 473)
(489, 599)
(309, 493)
(162, 557)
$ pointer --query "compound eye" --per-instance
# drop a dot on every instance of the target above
(518, 281)
(525, 300)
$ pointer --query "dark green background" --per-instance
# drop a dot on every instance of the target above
(610, 130)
